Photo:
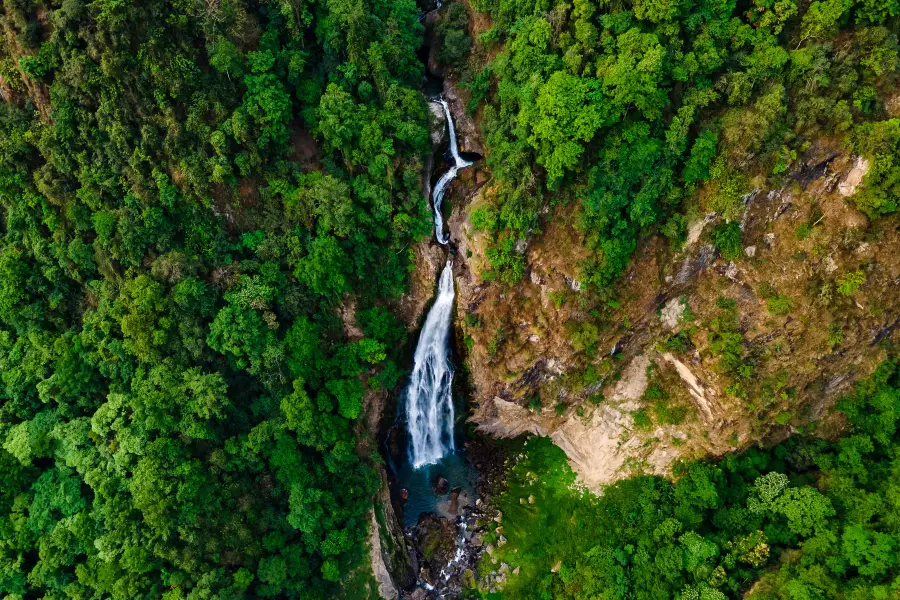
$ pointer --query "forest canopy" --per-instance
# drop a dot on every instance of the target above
(188, 190)
(642, 110)
(191, 191)
(805, 520)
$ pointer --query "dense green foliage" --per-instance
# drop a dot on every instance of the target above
(633, 108)
(806, 520)
(177, 391)
(450, 36)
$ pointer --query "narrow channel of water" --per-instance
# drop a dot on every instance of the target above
(441, 188)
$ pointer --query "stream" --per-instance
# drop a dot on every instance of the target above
(436, 478)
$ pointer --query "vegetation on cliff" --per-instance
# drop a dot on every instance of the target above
(804, 520)
(633, 109)
(188, 191)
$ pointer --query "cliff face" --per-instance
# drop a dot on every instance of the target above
(646, 383)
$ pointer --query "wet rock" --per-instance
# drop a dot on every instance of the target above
(418, 594)
(435, 541)
(438, 126)
(453, 507)
(441, 486)
(466, 131)
(404, 494)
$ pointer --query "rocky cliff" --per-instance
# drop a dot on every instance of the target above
(635, 384)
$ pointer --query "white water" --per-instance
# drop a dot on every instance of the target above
(429, 399)
(429, 402)
(441, 187)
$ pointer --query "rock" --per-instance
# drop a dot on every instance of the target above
(435, 540)
(732, 271)
(573, 284)
(476, 540)
(634, 380)
(393, 560)
(429, 261)
(404, 494)
(516, 570)
(556, 567)
(453, 507)
(466, 131)
(695, 230)
(438, 126)
(501, 541)
(671, 313)
(386, 587)
(850, 184)
(441, 486)
(530, 499)
(418, 594)
(750, 251)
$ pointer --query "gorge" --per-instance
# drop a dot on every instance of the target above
(426, 300)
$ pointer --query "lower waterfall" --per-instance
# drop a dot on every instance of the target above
(429, 401)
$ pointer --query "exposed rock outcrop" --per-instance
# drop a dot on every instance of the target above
(393, 563)
(540, 363)
(430, 258)
(467, 132)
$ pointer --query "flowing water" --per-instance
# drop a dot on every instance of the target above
(432, 453)
(441, 187)
(429, 398)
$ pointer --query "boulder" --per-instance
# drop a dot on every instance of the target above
(441, 486)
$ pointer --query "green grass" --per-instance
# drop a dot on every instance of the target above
(540, 534)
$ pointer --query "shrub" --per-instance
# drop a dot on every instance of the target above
(678, 343)
(850, 283)
(453, 41)
(727, 239)
(780, 304)
(642, 421)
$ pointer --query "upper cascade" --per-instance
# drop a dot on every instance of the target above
(440, 189)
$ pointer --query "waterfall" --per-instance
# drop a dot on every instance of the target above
(429, 400)
(440, 189)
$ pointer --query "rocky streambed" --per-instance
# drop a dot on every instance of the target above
(447, 544)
